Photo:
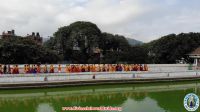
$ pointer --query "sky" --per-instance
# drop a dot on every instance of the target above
(144, 20)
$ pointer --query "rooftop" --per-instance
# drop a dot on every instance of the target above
(195, 52)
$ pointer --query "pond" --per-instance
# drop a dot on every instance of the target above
(151, 97)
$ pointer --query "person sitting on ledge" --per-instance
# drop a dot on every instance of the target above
(113, 68)
(1, 71)
(38, 69)
(141, 67)
(86, 68)
(25, 68)
(138, 67)
(145, 67)
(9, 69)
(82, 68)
(51, 69)
(45, 69)
(35, 69)
(59, 68)
(104, 68)
(67, 69)
(5, 69)
(76, 68)
(15, 69)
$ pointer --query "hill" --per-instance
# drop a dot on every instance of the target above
(172, 47)
(133, 42)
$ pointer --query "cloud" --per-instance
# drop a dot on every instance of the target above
(140, 19)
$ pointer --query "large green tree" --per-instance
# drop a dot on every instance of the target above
(79, 41)
(173, 47)
(114, 48)
(76, 42)
(19, 50)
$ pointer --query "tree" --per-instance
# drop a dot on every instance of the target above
(114, 48)
(19, 50)
(77, 40)
(173, 47)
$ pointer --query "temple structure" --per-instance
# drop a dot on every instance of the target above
(11, 34)
(35, 37)
(196, 56)
(8, 34)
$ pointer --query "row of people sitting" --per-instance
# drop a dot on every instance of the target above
(71, 68)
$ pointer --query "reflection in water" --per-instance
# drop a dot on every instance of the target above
(45, 107)
(147, 104)
(140, 98)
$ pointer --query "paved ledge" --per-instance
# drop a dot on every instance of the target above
(48, 84)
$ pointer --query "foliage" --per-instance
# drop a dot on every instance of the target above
(88, 38)
(23, 50)
(83, 42)
(173, 47)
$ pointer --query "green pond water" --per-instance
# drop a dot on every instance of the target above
(155, 97)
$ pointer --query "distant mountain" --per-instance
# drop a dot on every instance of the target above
(134, 42)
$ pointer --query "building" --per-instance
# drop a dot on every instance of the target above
(35, 36)
(196, 56)
(11, 34)
(8, 34)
